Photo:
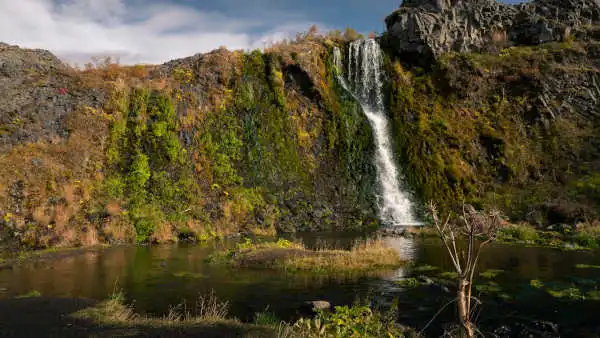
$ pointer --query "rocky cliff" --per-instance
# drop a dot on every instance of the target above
(499, 104)
(434, 27)
(37, 92)
(198, 147)
(504, 114)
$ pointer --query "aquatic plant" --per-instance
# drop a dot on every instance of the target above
(491, 273)
(410, 282)
(30, 294)
(425, 268)
(587, 266)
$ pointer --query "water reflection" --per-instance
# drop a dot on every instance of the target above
(406, 248)
(156, 277)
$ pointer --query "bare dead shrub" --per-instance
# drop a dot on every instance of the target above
(476, 229)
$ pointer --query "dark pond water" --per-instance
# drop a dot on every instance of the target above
(159, 276)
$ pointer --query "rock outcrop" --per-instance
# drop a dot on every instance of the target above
(37, 92)
(433, 27)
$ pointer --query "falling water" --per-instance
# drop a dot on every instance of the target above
(365, 84)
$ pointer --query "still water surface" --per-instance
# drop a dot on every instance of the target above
(159, 276)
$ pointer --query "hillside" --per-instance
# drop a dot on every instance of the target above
(198, 147)
(262, 141)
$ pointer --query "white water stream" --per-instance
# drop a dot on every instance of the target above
(365, 84)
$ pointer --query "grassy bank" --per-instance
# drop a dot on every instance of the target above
(581, 236)
(294, 257)
(209, 317)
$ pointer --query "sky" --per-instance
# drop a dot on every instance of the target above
(156, 31)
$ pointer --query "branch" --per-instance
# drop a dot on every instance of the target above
(459, 268)
(436, 314)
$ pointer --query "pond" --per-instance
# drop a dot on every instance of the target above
(514, 289)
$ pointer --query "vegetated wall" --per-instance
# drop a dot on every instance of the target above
(517, 129)
(229, 140)
(195, 148)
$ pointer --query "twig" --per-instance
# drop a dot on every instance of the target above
(437, 314)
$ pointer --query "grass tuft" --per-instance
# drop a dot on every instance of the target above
(294, 257)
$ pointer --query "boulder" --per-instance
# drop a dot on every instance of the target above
(309, 308)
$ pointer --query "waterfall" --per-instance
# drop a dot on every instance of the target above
(365, 85)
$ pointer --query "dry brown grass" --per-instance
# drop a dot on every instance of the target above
(163, 233)
(118, 230)
(56, 179)
(364, 257)
(113, 209)
(208, 311)
(89, 236)
(369, 256)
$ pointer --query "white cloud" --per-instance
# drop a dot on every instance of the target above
(76, 30)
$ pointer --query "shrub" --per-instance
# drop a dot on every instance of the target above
(349, 321)
(519, 232)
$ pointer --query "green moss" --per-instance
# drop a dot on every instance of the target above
(147, 163)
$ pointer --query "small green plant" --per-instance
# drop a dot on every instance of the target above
(349, 321)
(266, 318)
(30, 294)
(519, 232)
(538, 284)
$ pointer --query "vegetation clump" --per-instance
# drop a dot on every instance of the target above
(366, 257)
(579, 237)
(209, 316)
(357, 320)
(577, 290)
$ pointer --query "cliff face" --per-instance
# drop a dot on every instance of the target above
(517, 131)
(228, 141)
(507, 113)
(433, 27)
(195, 148)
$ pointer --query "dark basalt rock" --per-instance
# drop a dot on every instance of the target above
(432, 27)
(37, 92)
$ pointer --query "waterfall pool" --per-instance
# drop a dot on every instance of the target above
(155, 277)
